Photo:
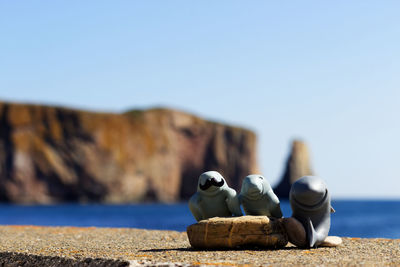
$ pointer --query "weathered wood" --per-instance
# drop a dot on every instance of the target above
(234, 232)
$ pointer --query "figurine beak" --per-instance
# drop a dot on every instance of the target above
(333, 210)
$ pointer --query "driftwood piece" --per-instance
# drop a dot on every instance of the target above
(234, 232)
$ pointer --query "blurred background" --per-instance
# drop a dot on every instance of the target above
(128, 102)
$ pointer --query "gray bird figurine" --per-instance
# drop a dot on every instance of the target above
(311, 205)
(214, 198)
(257, 197)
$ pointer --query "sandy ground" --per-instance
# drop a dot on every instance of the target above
(73, 246)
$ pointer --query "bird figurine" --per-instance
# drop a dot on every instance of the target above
(311, 206)
(214, 198)
(257, 197)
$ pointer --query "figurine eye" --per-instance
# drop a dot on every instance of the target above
(260, 177)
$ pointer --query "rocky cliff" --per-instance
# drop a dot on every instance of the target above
(297, 165)
(54, 154)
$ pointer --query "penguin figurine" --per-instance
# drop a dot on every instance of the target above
(257, 197)
(214, 198)
(311, 205)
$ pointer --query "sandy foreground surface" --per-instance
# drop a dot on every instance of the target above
(73, 246)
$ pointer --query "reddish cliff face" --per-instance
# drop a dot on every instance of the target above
(53, 154)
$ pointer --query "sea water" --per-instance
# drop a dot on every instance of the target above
(353, 218)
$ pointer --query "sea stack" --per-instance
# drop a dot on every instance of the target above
(297, 165)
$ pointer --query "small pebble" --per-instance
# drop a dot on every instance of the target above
(331, 241)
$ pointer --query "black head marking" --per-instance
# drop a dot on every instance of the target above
(211, 182)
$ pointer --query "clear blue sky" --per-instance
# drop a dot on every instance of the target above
(324, 71)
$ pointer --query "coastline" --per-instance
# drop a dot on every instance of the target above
(92, 246)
